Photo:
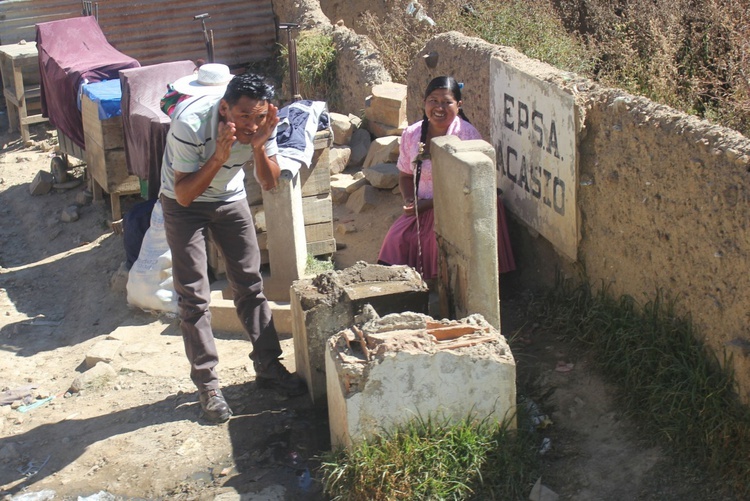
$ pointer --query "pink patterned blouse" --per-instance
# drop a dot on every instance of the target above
(409, 149)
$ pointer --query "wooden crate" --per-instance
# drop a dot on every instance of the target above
(105, 155)
(317, 207)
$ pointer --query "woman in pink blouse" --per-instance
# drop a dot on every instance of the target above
(411, 239)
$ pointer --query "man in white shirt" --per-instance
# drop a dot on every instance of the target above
(212, 135)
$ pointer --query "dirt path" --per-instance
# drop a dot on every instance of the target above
(139, 436)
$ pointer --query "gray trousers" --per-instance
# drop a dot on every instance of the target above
(231, 226)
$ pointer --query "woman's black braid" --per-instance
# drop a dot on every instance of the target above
(418, 168)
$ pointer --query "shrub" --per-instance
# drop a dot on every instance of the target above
(316, 63)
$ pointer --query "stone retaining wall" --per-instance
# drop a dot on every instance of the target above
(661, 198)
(662, 202)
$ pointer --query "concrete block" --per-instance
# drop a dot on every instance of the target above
(338, 158)
(400, 366)
(382, 150)
(342, 128)
(464, 184)
(323, 306)
(103, 351)
(224, 315)
(41, 184)
(387, 104)
(378, 129)
(360, 145)
(282, 316)
(287, 243)
(362, 200)
(383, 176)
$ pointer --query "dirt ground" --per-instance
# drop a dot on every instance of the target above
(140, 437)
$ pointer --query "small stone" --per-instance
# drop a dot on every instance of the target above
(98, 376)
(362, 200)
(342, 128)
(41, 184)
(338, 158)
(84, 197)
(344, 228)
(384, 176)
(70, 214)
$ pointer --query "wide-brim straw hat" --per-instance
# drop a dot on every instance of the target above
(211, 79)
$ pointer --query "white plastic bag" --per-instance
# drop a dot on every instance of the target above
(150, 285)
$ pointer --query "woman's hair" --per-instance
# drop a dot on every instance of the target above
(444, 82)
(248, 84)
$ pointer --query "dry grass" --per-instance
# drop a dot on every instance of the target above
(693, 55)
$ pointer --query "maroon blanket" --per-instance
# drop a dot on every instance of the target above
(70, 52)
(144, 125)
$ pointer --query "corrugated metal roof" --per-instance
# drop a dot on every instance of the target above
(159, 30)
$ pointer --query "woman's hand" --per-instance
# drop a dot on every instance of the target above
(423, 204)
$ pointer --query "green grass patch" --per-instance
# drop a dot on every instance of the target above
(428, 459)
(315, 266)
(668, 380)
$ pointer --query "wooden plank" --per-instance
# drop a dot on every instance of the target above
(319, 231)
(68, 147)
(108, 168)
(317, 209)
(107, 134)
(314, 233)
(316, 181)
(322, 248)
(323, 139)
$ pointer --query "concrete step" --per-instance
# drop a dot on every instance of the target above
(224, 316)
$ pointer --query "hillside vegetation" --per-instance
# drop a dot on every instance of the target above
(693, 55)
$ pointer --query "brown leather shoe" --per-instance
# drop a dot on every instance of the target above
(274, 375)
(215, 408)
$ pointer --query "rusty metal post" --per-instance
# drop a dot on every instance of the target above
(292, 49)
(208, 35)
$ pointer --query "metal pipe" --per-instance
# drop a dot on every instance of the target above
(208, 37)
(293, 68)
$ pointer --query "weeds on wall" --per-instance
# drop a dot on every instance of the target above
(397, 40)
(533, 28)
(316, 63)
(668, 380)
(430, 459)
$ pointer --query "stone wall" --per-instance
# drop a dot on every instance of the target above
(358, 62)
(662, 200)
(662, 204)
